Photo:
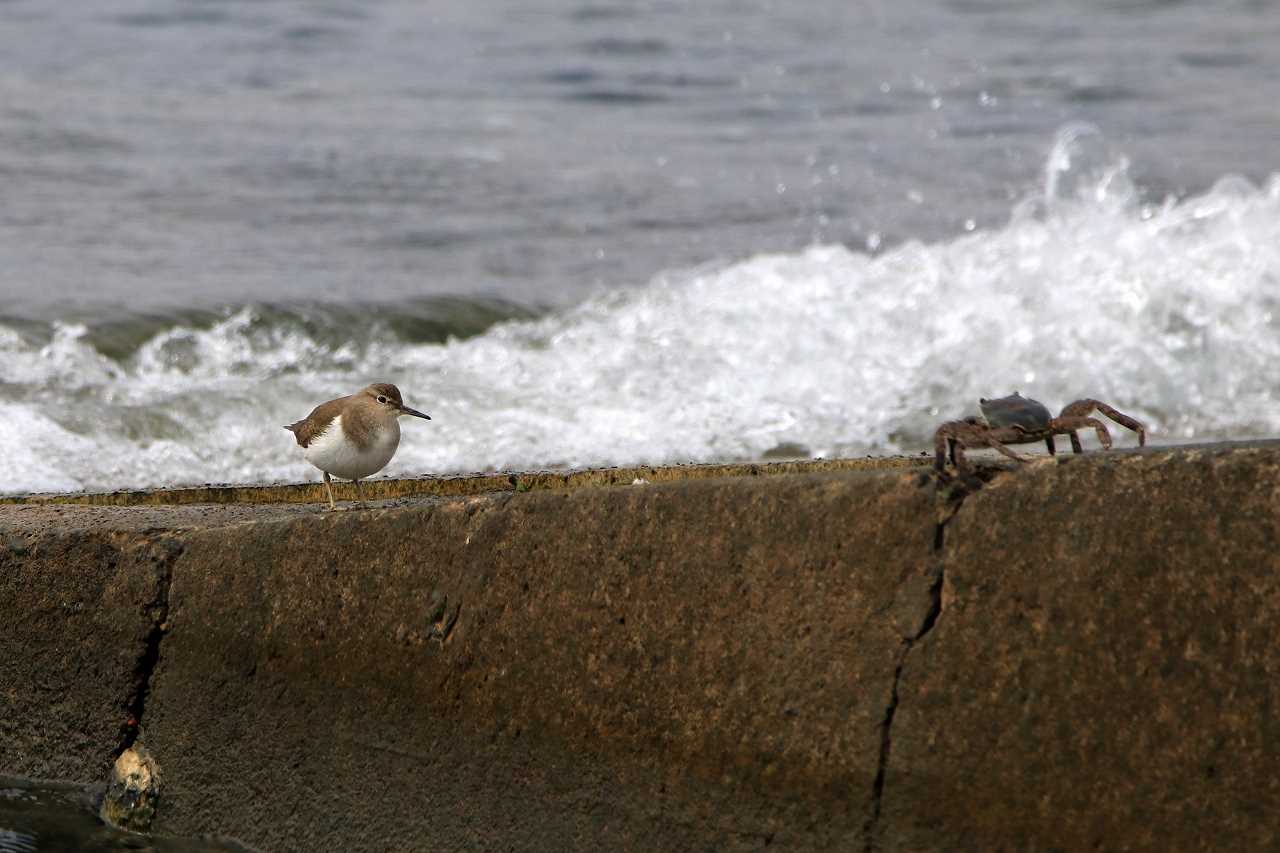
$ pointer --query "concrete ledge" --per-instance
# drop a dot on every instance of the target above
(1076, 654)
(461, 485)
(1105, 673)
(78, 609)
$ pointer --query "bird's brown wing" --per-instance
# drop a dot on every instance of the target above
(317, 422)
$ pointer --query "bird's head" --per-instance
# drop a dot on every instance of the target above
(387, 396)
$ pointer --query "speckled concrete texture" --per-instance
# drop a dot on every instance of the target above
(1104, 673)
(701, 664)
(1080, 654)
(461, 485)
(77, 607)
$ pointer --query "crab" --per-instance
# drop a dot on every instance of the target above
(1019, 420)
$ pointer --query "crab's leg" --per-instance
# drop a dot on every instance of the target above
(1084, 407)
(954, 436)
(1070, 424)
(951, 439)
(995, 438)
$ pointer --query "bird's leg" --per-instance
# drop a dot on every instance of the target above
(328, 487)
(359, 492)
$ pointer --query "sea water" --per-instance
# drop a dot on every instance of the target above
(56, 818)
(583, 232)
(587, 232)
(1168, 310)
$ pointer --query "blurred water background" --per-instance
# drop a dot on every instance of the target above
(591, 231)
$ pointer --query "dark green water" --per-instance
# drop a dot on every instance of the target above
(47, 818)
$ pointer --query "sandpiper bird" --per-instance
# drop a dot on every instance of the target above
(353, 437)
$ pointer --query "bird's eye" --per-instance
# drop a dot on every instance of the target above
(381, 399)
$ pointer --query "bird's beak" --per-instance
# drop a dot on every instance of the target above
(405, 410)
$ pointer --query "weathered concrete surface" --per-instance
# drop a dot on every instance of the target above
(462, 485)
(657, 665)
(1078, 655)
(690, 665)
(82, 594)
(76, 610)
(1105, 672)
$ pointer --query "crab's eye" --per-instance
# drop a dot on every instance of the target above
(381, 398)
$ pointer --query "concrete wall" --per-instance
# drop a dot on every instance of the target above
(1080, 654)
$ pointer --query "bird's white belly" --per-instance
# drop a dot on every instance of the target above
(331, 451)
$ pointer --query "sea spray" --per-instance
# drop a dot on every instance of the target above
(1168, 309)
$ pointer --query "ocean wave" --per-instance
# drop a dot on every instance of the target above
(1169, 310)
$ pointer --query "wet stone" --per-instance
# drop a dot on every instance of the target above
(133, 791)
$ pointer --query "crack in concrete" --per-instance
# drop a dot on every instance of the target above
(953, 498)
(163, 553)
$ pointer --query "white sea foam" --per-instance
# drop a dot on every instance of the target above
(1170, 311)
(36, 452)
